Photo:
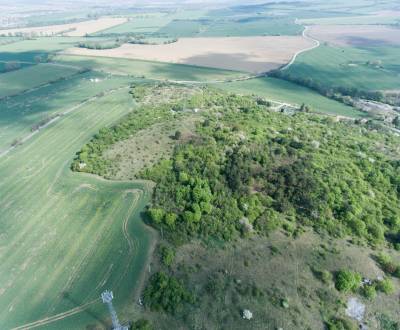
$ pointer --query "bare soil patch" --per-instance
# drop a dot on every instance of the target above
(356, 35)
(249, 54)
(72, 29)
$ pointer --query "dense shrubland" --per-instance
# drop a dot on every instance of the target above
(252, 170)
(247, 169)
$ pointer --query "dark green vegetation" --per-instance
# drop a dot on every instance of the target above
(166, 293)
(256, 170)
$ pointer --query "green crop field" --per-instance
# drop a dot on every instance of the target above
(22, 112)
(253, 26)
(66, 237)
(15, 82)
(149, 69)
(372, 68)
(138, 25)
(283, 91)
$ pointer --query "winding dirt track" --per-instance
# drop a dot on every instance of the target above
(305, 36)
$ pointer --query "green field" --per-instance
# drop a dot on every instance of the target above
(66, 237)
(283, 91)
(149, 69)
(12, 83)
(138, 25)
(373, 68)
(20, 113)
(253, 26)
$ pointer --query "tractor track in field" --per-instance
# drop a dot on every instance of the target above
(56, 317)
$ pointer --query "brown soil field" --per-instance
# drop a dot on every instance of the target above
(248, 54)
(72, 29)
(356, 35)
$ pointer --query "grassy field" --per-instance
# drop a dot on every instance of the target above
(283, 91)
(66, 237)
(21, 113)
(139, 25)
(15, 82)
(151, 70)
(253, 26)
(374, 68)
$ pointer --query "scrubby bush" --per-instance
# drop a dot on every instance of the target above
(386, 286)
(166, 293)
(167, 255)
(387, 265)
(369, 291)
(142, 324)
(347, 281)
(341, 324)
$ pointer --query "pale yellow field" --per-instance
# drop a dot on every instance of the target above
(356, 35)
(72, 29)
(249, 54)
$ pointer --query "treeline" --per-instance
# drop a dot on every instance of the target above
(110, 44)
(335, 92)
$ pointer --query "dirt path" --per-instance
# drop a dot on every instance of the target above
(305, 36)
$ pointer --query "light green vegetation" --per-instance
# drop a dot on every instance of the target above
(66, 237)
(283, 91)
(15, 82)
(151, 70)
(23, 113)
(367, 68)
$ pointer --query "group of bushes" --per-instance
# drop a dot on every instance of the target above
(166, 293)
(248, 167)
(348, 281)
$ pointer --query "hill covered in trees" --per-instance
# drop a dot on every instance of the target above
(251, 190)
